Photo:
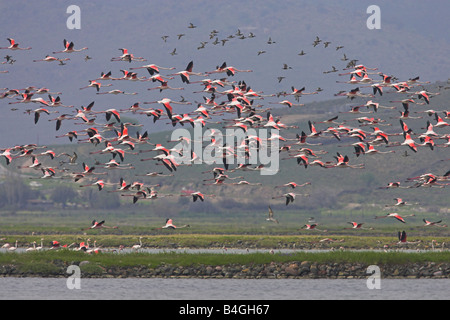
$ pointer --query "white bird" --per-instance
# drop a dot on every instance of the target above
(137, 246)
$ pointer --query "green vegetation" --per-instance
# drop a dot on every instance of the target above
(53, 262)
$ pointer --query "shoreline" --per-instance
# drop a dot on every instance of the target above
(272, 270)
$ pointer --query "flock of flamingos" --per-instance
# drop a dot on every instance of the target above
(233, 104)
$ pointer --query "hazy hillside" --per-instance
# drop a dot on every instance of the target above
(412, 42)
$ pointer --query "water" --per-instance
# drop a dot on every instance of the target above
(223, 289)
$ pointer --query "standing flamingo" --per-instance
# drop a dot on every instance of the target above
(138, 246)
(13, 248)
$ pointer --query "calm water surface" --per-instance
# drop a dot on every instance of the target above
(223, 289)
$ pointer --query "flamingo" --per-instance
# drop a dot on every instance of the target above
(197, 196)
(169, 225)
(402, 239)
(187, 72)
(342, 162)
(68, 48)
(434, 223)
(7, 155)
(99, 225)
(11, 249)
(409, 142)
(440, 122)
(290, 197)
(153, 68)
(99, 183)
(127, 56)
(37, 113)
(140, 194)
(14, 45)
(95, 84)
(293, 185)
(356, 225)
(231, 71)
(33, 248)
(400, 203)
(138, 246)
(71, 135)
(371, 150)
(41, 247)
(6, 246)
(117, 91)
(270, 217)
(51, 59)
(165, 86)
(395, 216)
(312, 226)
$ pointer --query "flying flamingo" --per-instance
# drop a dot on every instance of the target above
(440, 122)
(342, 162)
(165, 86)
(71, 135)
(68, 48)
(51, 59)
(290, 197)
(99, 225)
(434, 223)
(153, 68)
(293, 185)
(187, 72)
(197, 196)
(169, 225)
(356, 225)
(396, 216)
(400, 203)
(99, 183)
(7, 155)
(117, 91)
(37, 113)
(127, 56)
(95, 84)
(14, 45)
(312, 226)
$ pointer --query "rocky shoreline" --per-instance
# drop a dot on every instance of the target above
(274, 270)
